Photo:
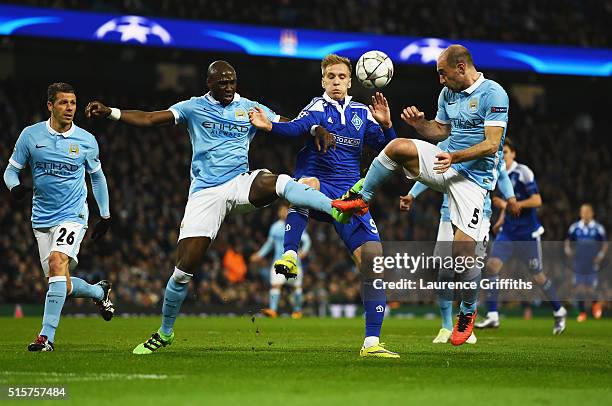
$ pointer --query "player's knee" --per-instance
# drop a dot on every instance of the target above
(181, 276)
(266, 188)
(401, 149)
(58, 264)
(364, 257)
(311, 182)
(191, 253)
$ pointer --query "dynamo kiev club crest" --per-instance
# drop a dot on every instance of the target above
(134, 29)
(429, 49)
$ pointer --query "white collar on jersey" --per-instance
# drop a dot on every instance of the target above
(53, 132)
(475, 85)
(340, 108)
(211, 99)
(513, 166)
(582, 224)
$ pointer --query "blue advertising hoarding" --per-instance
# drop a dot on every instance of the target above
(291, 43)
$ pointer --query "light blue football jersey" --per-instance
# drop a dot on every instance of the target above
(276, 240)
(58, 162)
(468, 112)
(220, 137)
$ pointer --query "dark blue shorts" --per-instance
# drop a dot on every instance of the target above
(358, 231)
(586, 279)
(525, 247)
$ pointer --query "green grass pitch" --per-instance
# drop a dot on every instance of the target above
(312, 361)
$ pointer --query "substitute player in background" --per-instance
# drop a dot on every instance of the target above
(586, 246)
(473, 114)
(59, 152)
(445, 238)
(520, 236)
(353, 125)
(221, 183)
(276, 237)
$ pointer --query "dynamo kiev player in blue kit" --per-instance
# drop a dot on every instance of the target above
(520, 236)
(221, 183)
(473, 114)
(353, 125)
(586, 247)
(445, 236)
(275, 242)
(59, 153)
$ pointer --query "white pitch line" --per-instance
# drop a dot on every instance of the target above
(74, 377)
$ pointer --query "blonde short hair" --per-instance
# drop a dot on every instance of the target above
(333, 59)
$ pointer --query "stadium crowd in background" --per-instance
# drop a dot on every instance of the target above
(146, 171)
(543, 21)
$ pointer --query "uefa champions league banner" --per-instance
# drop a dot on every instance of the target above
(291, 43)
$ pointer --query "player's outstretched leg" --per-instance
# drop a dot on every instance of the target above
(397, 154)
(99, 293)
(268, 187)
(54, 302)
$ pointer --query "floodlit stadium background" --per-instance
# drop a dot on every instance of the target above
(558, 122)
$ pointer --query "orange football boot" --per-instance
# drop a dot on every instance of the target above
(463, 328)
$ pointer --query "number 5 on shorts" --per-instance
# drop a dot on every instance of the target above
(475, 217)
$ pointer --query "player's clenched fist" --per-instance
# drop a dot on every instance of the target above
(412, 116)
(96, 109)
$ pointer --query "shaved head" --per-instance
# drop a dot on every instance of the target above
(456, 54)
(456, 68)
(217, 68)
(221, 80)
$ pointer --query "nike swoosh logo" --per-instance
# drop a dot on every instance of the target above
(40, 146)
(471, 226)
(449, 103)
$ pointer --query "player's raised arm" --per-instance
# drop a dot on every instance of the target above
(96, 109)
(433, 130)
(304, 123)
(379, 130)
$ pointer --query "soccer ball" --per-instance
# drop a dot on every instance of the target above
(374, 69)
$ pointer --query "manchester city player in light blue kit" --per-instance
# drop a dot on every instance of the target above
(473, 114)
(586, 246)
(275, 241)
(520, 237)
(354, 125)
(59, 153)
(221, 183)
(445, 236)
